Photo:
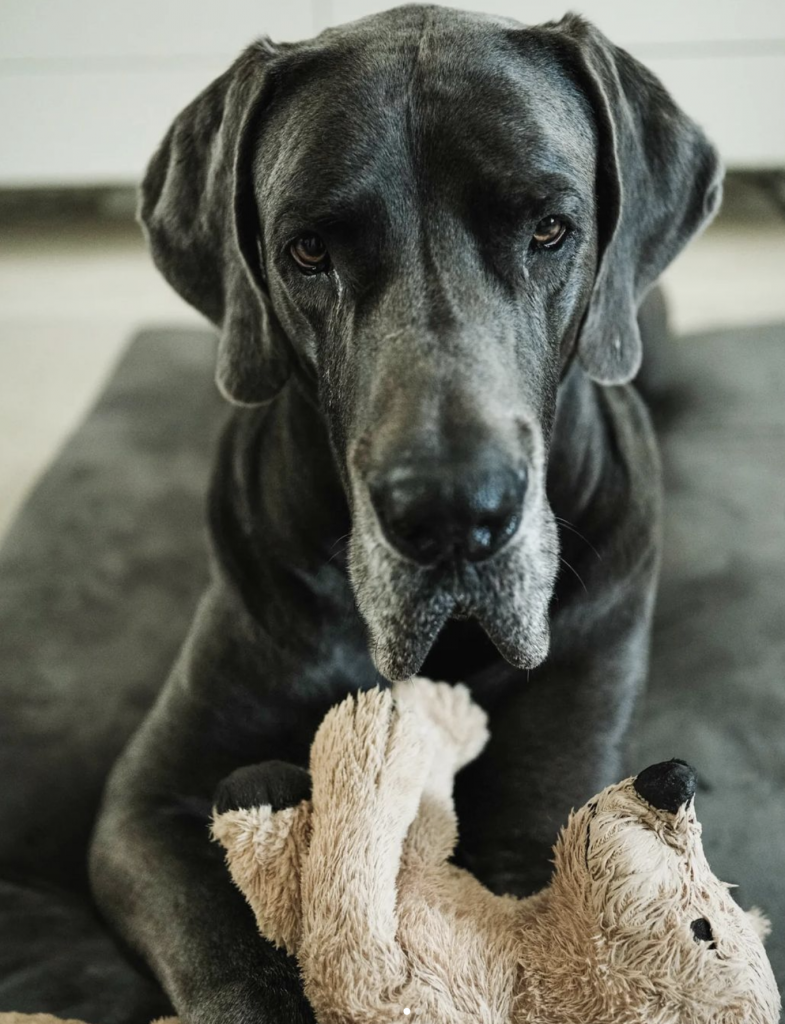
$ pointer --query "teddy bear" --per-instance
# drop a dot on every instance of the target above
(348, 869)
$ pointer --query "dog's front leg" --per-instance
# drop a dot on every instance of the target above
(170, 896)
(156, 874)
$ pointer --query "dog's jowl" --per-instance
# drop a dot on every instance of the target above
(424, 238)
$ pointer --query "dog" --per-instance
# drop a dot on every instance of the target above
(424, 238)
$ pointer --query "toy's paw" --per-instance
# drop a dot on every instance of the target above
(368, 747)
(460, 726)
(274, 784)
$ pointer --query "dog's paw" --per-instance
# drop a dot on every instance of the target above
(274, 784)
(460, 726)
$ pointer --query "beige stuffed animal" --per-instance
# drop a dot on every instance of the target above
(356, 883)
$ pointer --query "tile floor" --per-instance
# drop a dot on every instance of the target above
(75, 286)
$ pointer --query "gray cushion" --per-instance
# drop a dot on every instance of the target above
(100, 575)
(717, 691)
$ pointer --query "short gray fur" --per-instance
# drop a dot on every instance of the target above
(101, 573)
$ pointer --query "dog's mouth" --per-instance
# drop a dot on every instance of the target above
(405, 606)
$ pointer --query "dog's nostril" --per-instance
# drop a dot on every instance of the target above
(418, 544)
(481, 538)
(444, 514)
(488, 537)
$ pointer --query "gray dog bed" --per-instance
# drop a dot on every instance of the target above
(717, 690)
(100, 575)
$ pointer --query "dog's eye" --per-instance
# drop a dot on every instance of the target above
(701, 932)
(549, 233)
(310, 254)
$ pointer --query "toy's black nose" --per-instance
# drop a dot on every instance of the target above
(441, 513)
(668, 785)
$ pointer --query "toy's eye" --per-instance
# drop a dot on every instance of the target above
(701, 932)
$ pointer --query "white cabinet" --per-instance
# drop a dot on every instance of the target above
(88, 87)
(628, 22)
(739, 99)
(118, 30)
(724, 60)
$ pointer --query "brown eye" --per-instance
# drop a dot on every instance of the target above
(310, 254)
(548, 233)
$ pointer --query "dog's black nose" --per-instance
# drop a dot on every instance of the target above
(668, 785)
(446, 513)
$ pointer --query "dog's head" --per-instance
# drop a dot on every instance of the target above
(636, 903)
(423, 216)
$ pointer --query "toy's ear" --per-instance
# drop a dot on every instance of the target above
(262, 818)
(200, 216)
(659, 180)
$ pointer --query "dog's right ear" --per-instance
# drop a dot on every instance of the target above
(200, 216)
(659, 181)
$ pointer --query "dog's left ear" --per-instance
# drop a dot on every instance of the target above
(659, 180)
(199, 213)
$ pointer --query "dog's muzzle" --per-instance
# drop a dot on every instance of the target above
(449, 513)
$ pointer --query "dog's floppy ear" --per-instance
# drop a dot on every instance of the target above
(199, 213)
(658, 182)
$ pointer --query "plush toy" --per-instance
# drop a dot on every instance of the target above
(354, 879)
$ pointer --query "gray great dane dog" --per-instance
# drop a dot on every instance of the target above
(424, 237)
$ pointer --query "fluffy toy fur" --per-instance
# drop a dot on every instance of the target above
(355, 881)
(357, 884)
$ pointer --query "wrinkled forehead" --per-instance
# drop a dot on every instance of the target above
(445, 117)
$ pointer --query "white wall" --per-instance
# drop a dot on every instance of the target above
(88, 87)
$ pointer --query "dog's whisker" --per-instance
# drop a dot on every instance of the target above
(340, 551)
(571, 528)
(574, 572)
(340, 540)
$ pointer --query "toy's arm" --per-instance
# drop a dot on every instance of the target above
(262, 818)
(456, 732)
(320, 874)
(368, 765)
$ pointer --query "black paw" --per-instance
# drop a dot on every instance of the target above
(272, 783)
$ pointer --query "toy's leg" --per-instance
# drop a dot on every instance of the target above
(262, 818)
(456, 733)
(368, 763)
